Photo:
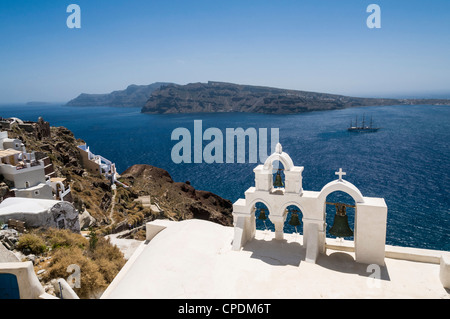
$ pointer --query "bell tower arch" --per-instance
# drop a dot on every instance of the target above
(370, 220)
(292, 173)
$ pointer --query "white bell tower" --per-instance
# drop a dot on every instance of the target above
(370, 213)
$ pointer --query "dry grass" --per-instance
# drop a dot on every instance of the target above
(92, 281)
(98, 263)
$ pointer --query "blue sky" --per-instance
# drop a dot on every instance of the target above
(313, 45)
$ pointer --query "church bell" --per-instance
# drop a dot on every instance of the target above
(278, 181)
(262, 214)
(295, 221)
(340, 226)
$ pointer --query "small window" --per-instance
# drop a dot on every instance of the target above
(36, 192)
(27, 184)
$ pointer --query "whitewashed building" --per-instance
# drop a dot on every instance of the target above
(30, 177)
(97, 164)
(40, 213)
(23, 170)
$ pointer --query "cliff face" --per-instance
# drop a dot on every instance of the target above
(161, 98)
(132, 96)
(178, 200)
(227, 97)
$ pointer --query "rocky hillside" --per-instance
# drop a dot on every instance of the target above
(116, 210)
(178, 200)
(60, 145)
(227, 97)
(132, 96)
(110, 210)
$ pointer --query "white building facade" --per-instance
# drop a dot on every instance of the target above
(28, 176)
(97, 164)
(22, 169)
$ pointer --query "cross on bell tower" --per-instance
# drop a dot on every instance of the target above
(340, 174)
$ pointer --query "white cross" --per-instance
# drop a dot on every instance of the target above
(340, 173)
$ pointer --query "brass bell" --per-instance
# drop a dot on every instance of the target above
(295, 221)
(278, 181)
(262, 214)
(341, 227)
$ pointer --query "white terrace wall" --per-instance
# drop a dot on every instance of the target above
(29, 285)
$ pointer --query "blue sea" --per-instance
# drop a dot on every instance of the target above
(407, 162)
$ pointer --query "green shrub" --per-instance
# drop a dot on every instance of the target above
(32, 242)
(93, 239)
(65, 238)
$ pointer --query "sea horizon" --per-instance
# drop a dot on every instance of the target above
(405, 162)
